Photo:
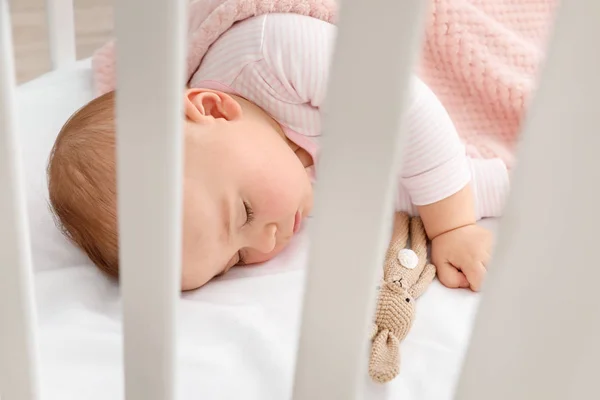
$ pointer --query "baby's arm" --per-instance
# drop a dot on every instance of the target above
(448, 214)
(435, 165)
(460, 249)
(451, 191)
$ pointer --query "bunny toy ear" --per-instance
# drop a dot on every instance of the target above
(423, 282)
(384, 364)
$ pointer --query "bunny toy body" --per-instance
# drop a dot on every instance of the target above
(406, 275)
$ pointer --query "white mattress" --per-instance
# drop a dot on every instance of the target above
(237, 334)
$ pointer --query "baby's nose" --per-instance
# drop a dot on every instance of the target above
(266, 239)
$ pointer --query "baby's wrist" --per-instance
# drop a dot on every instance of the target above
(449, 214)
(451, 230)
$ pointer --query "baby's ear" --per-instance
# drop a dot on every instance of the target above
(202, 105)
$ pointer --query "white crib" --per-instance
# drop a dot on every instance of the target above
(539, 320)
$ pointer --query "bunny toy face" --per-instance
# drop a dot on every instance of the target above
(395, 300)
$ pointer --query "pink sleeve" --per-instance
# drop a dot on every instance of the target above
(435, 164)
(491, 186)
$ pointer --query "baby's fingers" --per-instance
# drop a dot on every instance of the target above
(475, 274)
(451, 277)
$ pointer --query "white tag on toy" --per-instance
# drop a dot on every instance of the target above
(408, 258)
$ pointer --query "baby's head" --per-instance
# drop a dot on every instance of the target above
(245, 188)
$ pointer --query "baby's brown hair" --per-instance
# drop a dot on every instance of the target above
(82, 182)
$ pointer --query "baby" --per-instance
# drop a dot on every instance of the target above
(252, 126)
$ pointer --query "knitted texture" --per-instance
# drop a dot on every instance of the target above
(397, 293)
(480, 57)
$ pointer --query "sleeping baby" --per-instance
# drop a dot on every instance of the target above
(252, 127)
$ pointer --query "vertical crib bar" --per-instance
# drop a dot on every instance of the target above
(61, 32)
(536, 336)
(150, 67)
(378, 39)
(18, 352)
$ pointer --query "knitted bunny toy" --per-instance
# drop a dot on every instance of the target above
(406, 275)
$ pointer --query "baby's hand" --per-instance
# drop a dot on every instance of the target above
(461, 256)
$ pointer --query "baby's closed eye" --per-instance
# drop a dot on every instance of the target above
(249, 213)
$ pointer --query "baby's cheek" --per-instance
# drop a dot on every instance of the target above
(282, 181)
(281, 202)
(274, 197)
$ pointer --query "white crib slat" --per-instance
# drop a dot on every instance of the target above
(18, 352)
(61, 32)
(150, 62)
(378, 39)
(537, 333)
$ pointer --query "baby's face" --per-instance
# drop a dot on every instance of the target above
(245, 195)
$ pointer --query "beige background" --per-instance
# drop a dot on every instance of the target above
(93, 24)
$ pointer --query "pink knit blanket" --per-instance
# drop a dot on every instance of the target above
(480, 57)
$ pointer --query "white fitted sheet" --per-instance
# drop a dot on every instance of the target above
(237, 335)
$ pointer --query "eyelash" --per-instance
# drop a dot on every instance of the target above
(249, 213)
(249, 219)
